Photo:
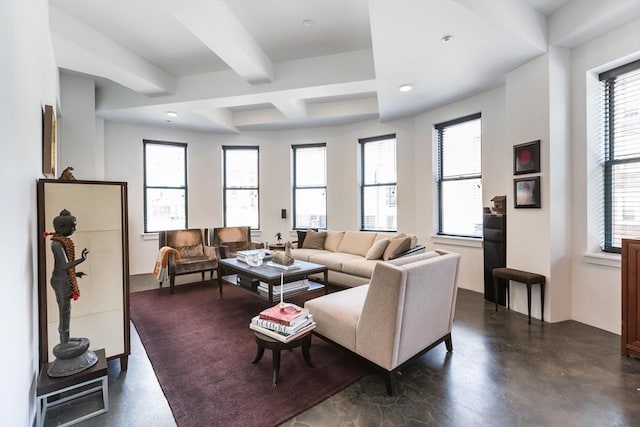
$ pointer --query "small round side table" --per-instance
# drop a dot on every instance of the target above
(277, 247)
(276, 346)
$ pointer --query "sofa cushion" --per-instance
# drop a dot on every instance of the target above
(336, 315)
(396, 246)
(305, 254)
(232, 234)
(187, 242)
(356, 242)
(333, 260)
(333, 240)
(388, 235)
(314, 240)
(195, 264)
(377, 249)
(302, 234)
(360, 267)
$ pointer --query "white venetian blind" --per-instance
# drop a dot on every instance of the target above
(378, 184)
(459, 177)
(621, 135)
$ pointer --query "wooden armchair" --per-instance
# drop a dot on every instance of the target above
(230, 240)
(194, 257)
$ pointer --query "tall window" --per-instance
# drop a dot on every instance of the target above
(459, 177)
(309, 186)
(378, 183)
(621, 92)
(165, 186)
(241, 189)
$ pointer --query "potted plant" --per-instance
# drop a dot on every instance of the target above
(279, 237)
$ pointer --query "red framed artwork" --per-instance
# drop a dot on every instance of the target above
(526, 158)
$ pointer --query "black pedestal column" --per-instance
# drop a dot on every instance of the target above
(494, 232)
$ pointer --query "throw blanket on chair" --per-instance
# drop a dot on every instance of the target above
(160, 270)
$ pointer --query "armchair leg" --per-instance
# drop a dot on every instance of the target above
(172, 282)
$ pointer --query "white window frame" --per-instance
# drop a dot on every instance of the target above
(390, 185)
(146, 186)
(228, 186)
(322, 216)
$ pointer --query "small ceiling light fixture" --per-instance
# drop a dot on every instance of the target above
(172, 114)
(308, 23)
(405, 88)
(446, 39)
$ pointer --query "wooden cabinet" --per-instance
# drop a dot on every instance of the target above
(102, 311)
(631, 297)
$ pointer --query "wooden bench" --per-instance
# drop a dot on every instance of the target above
(521, 276)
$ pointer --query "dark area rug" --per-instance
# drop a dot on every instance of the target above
(201, 349)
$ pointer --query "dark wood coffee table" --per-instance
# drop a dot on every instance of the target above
(271, 275)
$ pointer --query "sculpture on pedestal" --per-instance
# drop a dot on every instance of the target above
(72, 354)
(284, 258)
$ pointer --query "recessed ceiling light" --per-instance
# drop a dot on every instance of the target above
(307, 23)
(446, 39)
(172, 114)
(406, 88)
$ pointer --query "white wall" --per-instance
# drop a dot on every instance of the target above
(28, 80)
(596, 288)
(80, 145)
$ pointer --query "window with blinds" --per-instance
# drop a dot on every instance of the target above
(621, 135)
(459, 177)
(309, 186)
(241, 190)
(378, 183)
(165, 186)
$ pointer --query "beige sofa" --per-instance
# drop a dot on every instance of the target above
(406, 310)
(351, 255)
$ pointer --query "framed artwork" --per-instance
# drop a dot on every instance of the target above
(526, 192)
(526, 158)
(49, 142)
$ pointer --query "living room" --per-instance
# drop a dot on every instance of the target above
(548, 98)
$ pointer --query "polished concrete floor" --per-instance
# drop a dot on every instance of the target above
(502, 372)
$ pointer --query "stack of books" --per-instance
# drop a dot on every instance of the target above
(283, 324)
(287, 289)
(294, 266)
(244, 255)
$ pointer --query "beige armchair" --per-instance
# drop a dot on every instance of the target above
(406, 310)
(195, 257)
(230, 240)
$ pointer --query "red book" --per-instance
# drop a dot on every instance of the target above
(290, 315)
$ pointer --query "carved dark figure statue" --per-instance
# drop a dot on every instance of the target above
(72, 354)
(64, 277)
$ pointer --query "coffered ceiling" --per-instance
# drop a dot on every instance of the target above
(234, 65)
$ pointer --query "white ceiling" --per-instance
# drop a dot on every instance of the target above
(233, 65)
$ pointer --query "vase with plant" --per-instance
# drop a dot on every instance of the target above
(279, 237)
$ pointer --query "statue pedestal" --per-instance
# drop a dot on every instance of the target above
(72, 357)
(90, 380)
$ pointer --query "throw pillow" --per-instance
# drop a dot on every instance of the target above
(377, 249)
(396, 246)
(314, 240)
(302, 234)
